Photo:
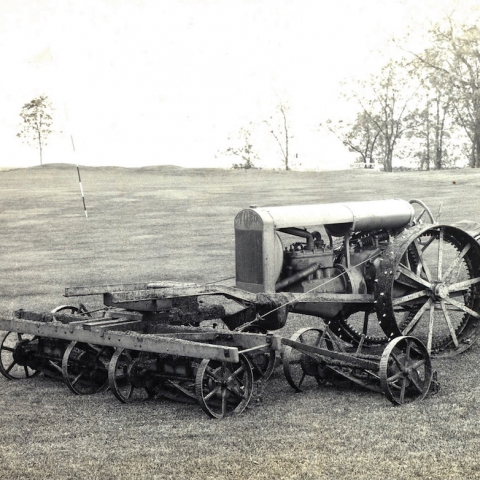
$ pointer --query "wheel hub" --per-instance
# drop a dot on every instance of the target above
(440, 291)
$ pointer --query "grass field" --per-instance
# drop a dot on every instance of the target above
(169, 223)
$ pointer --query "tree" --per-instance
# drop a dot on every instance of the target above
(37, 120)
(359, 137)
(455, 56)
(430, 123)
(386, 108)
(244, 150)
(281, 133)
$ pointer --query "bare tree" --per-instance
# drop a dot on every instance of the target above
(37, 120)
(244, 150)
(281, 133)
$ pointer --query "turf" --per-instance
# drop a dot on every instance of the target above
(163, 223)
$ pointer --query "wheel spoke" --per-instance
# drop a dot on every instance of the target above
(236, 392)
(459, 286)
(462, 307)
(430, 327)
(416, 318)
(440, 254)
(427, 244)
(408, 298)
(8, 349)
(398, 362)
(55, 366)
(402, 391)
(449, 323)
(407, 352)
(11, 366)
(395, 377)
(224, 401)
(304, 374)
(456, 261)
(236, 373)
(77, 378)
(211, 373)
(416, 384)
(413, 276)
(421, 261)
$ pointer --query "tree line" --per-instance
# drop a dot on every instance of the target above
(424, 107)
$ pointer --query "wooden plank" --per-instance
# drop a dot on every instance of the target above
(121, 287)
(262, 298)
(330, 297)
(131, 340)
(100, 289)
(113, 324)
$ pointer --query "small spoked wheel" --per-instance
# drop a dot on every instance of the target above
(119, 378)
(302, 369)
(405, 370)
(85, 368)
(9, 362)
(422, 213)
(224, 388)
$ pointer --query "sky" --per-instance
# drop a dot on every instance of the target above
(148, 82)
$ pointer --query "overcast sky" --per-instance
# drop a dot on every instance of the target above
(167, 82)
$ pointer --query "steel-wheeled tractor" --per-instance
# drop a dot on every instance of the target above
(390, 288)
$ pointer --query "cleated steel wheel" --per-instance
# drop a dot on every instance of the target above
(303, 370)
(9, 366)
(85, 368)
(119, 378)
(224, 388)
(428, 286)
(405, 370)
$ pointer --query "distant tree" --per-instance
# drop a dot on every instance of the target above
(454, 55)
(37, 120)
(386, 108)
(244, 149)
(280, 129)
(360, 136)
(430, 123)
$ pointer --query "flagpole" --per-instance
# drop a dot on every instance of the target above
(80, 183)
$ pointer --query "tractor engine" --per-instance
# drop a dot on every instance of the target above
(331, 248)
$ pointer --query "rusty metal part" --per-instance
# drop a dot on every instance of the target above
(224, 388)
(405, 370)
(119, 378)
(85, 367)
(429, 286)
(298, 367)
(263, 359)
(402, 370)
(9, 364)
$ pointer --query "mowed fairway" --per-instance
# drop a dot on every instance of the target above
(170, 223)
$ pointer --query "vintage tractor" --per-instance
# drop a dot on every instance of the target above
(389, 285)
